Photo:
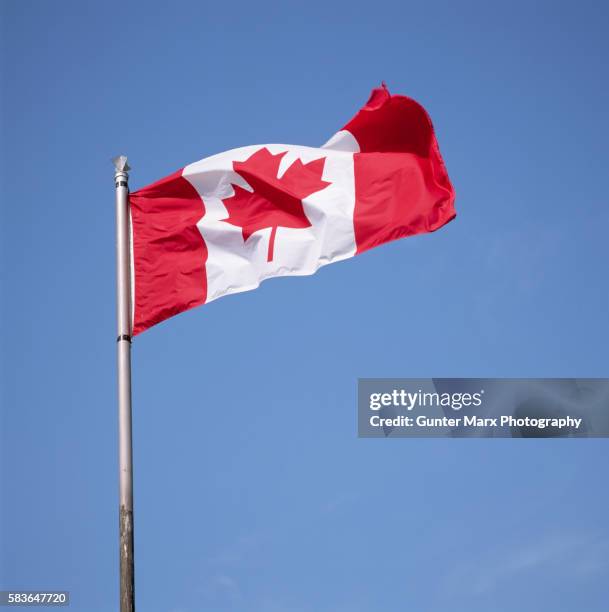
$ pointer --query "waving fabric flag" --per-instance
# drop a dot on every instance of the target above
(225, 223)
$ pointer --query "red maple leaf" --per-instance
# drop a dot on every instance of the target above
(273, 202)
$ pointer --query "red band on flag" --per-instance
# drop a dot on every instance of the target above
(168, 250)
(401, 184)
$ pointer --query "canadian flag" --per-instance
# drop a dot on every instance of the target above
(226, 223)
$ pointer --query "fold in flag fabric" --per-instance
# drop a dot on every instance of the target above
(226, 223)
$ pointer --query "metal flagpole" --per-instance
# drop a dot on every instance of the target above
(123, 308)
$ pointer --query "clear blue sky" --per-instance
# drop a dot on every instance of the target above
(253, 493)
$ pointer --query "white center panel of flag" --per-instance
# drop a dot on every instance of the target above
(236, 264)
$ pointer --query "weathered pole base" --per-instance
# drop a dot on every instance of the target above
(126, 562)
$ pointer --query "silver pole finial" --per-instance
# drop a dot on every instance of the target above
(120, 163)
